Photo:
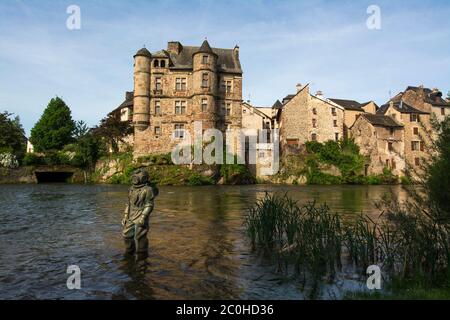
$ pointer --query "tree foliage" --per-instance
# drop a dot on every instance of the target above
(81, 128)
(113, 131)
(55, 127)
(12, 135)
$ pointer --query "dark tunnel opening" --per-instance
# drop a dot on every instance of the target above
(53, 177)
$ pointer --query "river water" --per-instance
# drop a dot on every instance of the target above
(198, 249)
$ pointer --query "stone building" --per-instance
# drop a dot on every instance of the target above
(125, 110)
(254, 121)
(175, 87)
(381, 140)
(417, 133)
(352, 110)
(306, 117)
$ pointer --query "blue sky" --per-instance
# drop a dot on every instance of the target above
(324, 43)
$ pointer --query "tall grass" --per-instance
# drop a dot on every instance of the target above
(405, 243)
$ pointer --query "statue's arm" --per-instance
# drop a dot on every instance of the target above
(126, 213)
(149, 203)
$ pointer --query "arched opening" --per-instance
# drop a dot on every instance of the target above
(52, 177)
(156, 63)
(163, 63)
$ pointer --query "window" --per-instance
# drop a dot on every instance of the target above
(333, 111)
(226, 86)
(417, 161)
(391, 131)
(163, 63)
(179, 131)
(335, 123)
(387, 163)
(314, 137)
(180, 84)
(157, 130)
(416, 131)
(442, 111)
(205, 59)
(414, 117)
(157, 107)
(205, 79)
(314, 111)
(158, 85)
(156, 63)
(204, 105)
(393, 164)
(422, 146)
(228, 109)
(390, 147)
(180, 107)
(415, 145)
(314, 122)
(336, 136)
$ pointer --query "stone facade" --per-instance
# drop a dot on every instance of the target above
(305, 117)
(173, 88)
(381, 140)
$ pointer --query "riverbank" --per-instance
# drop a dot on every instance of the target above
(33, 174)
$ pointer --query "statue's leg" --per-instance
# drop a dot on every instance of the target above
(141, 239)
(128, 236)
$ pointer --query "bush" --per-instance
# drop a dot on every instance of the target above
(32, 159)
(8, 160)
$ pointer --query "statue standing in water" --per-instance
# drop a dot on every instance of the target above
(137, 212)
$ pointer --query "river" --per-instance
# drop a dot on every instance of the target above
(198, 249)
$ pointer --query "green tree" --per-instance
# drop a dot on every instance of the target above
(12, 135)
(88, 150)
(55, 127)
(113, 130)
(80, 130)
(438, 174)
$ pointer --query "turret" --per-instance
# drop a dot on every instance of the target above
(204, 70)
(141, 101)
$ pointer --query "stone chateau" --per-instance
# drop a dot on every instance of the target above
(177, 86)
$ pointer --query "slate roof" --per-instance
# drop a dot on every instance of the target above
(129, 95)
(401, 107)
(227, 60)
(277, 105)
(381, 120)
(143, 52)
(348, 104)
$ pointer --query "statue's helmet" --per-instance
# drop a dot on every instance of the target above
(140, 177)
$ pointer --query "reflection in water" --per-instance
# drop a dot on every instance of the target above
(198, 248)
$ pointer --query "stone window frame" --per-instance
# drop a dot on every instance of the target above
(390, 146)
(228, 108)
(314, 122)
(204, 105)
(442, 111)
(180, 84)
(415, 145)
(414, 117)
(205, 59)
(205, 80)
(336, 136)
(333, 111)
(416, 131)
(335, 124)
(227, 85)
(157, 130)
(314, 111)
(417, 161)
(179, 130)
(313, 136)
(180, 106)
(158, 83)
(157, 107)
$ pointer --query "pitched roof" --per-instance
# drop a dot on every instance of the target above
(432, 96)
(205, 48)
(348, 104)
(143, 52)
(401, 107)
(277, 105)
(128, 103)
(381, 120)
(227, 59)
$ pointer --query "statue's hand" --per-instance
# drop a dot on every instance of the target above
(140, 222)
(124, 221)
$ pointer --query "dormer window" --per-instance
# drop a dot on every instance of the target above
(163, 63)
(156, 63)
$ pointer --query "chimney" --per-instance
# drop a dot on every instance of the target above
(174, 47)
(236, 51)
(319, 94)
(299, 87)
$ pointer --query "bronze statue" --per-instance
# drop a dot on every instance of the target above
(137, 212)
